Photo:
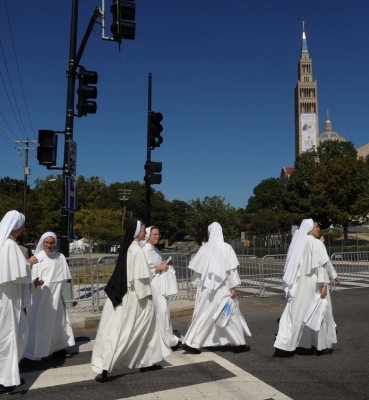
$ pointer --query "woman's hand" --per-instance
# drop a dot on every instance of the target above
(38, 282)
(338, 280)
(233, 293)
(322, 239)
(162, 267)
(323, 292)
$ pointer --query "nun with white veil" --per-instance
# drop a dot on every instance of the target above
(128, 334)
(15, 276)
(306, 277)
(163, 284)
(48, 321)
(215, 275)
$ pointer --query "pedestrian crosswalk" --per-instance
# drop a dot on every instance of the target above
(185, 376)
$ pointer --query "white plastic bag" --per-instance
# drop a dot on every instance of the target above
(315, 314)
(168, 282)
(225, 312)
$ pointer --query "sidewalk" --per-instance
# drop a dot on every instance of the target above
(82, 317)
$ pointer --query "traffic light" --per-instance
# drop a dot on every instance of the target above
(47, 150)
(123, 11)
(86, 92)
(152, 176)
(155, 129)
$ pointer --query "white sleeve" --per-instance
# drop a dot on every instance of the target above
(195, 280)
(233, 278)
(142, 288)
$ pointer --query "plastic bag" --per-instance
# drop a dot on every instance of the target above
(315, 314)
(225, 312)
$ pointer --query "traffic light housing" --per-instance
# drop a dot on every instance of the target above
(86, 92)
(47, 149)
(123, 11)
(152, 175)
(155, 129)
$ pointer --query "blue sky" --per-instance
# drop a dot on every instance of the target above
(223, 78)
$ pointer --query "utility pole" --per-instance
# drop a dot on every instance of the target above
(123, 195)
(26, 169)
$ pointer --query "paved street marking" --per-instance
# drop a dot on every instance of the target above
(241, 386)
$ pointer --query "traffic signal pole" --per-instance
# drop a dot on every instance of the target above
(74, 59)
(148, 158)
(69, 123)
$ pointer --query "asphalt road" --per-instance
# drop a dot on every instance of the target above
(342, 375)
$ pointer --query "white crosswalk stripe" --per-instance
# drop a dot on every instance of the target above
(241, 386)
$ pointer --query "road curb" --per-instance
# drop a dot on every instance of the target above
(81, 322)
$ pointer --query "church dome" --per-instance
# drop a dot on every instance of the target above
(330, 134)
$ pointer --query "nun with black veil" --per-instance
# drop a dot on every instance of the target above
(128, 335)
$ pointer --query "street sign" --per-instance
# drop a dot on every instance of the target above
(71, 194)
(242, 237)
(71, 235)
(294, 229)
(72, 159)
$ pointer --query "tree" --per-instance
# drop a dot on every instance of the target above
(263, 222)
(212, 209)
(269, 193)
(331, 185)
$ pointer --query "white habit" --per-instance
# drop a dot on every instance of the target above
(128, 335)
(159, 290)
(15, 277)
(311, 275)
(203, 331)
(48, 320)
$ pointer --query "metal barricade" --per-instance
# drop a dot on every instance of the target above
(351, 266)
(104, 269)
(272, 270)
(250, 272)
(80, 289)
(180, 263)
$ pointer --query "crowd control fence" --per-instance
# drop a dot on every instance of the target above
(265, 274)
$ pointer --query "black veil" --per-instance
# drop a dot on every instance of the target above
(116, 288)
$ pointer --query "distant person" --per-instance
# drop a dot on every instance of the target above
(306, 278)
(163, 284)
(50, 331)
(215, 273)
(15, 276)
(19, 240)
(128, 335)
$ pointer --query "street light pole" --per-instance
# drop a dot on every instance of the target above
(123, 195)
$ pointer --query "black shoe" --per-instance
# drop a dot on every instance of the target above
(325, 352)
(191, 350)
(9, 389)
(241, 349)
(301, 351)
(283, 353)
(27, 363)
(62, 354)
(154, 367)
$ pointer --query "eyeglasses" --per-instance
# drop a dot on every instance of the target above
(155, 234)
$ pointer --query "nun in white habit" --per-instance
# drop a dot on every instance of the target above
(15, 276)
(215, 272)
(306, 278)
(163, 284)
(128, 335)
(48, 321)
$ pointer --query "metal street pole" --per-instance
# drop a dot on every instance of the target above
(123, 195)
(148, 158)
(69, 121)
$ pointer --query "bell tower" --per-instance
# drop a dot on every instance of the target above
(306, 103)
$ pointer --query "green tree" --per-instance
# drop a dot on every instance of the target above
(212, 209)
(263, 222)
(331, 184)
(269, 193)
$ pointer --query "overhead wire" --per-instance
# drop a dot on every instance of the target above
(11, 85)
(19, 74)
